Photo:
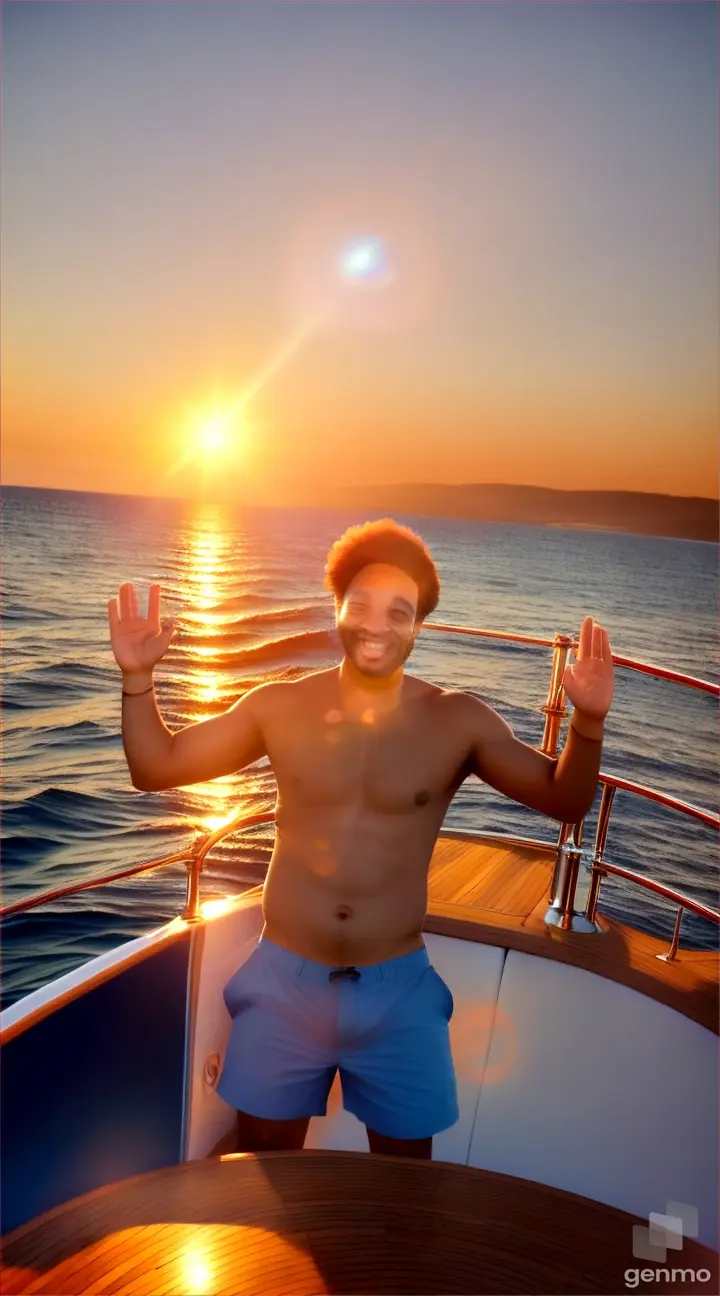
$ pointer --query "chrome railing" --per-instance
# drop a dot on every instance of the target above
(199, 852)
(561, 910)
(193, 855)
(569, 854)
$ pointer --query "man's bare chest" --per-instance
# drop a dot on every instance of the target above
(396, 767)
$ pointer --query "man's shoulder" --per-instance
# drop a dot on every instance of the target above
(315, 683)
(285, 692)
(450, 704)
(468, 711)
(482, 725)
(455, 699)
(415, 686)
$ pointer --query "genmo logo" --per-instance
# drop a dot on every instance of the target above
(665, 1233)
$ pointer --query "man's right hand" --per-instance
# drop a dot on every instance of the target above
(137, 642)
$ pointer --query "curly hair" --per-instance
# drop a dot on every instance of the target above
(385, 541)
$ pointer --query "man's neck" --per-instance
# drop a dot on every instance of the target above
(361, 692)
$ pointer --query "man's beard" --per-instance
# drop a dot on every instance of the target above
(396, 652)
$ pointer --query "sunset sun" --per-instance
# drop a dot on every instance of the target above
(213, 436)
(213, 440)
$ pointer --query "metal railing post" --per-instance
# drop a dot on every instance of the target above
(554, 707)
(191, 912)
(561, 910)
(670, 954)
(597, 873)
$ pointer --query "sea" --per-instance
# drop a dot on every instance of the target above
(246, 588)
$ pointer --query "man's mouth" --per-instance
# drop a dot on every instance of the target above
(372, 648)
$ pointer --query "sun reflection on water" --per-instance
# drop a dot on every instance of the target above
(214, 560)
(209, 686)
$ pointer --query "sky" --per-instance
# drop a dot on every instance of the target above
(183, 182)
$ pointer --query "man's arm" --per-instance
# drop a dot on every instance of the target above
(561, 787)
(159, 759)
(578, 770)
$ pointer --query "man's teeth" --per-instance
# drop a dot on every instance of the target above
(372, 643)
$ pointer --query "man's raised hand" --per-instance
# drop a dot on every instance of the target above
(138, 642)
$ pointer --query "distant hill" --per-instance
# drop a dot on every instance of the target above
(686, 518)
(680, 517)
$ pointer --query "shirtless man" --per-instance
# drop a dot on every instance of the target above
(367, 760)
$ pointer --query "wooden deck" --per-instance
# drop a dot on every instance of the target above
(309, 1223)
(498, 894)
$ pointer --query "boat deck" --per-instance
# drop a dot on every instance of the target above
(497, 893)
(316, 1222)
(309, 1223)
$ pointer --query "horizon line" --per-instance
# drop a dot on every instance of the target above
(194, 499)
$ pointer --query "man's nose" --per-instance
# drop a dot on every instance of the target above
(376, 622)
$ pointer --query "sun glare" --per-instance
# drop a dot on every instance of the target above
(212, 436)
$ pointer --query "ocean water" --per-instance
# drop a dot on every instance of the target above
(246, 589)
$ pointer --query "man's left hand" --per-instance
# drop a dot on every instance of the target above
(588, 682)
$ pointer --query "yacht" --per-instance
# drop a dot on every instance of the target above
(584, 1159)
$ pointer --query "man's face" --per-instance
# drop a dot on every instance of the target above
(377, 619)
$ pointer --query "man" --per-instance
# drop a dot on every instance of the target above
(367, 760)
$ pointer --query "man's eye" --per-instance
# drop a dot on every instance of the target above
(397, 615)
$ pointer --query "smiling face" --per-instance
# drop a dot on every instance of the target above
(377, 620)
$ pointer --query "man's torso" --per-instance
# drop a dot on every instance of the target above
(360, 804)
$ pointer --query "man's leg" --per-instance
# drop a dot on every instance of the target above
(400, 1078)
(254, 1134)
(279, 1055)
(420, 1148)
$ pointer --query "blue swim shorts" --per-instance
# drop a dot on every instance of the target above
(384, 1026)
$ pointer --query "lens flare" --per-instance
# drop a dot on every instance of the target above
(364, 261)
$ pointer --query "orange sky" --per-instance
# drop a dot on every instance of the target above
(550, 315)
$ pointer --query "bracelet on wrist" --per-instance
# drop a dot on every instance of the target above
(596, 737)
(140, 694)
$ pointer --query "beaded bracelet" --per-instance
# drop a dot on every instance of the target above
(140, 694)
